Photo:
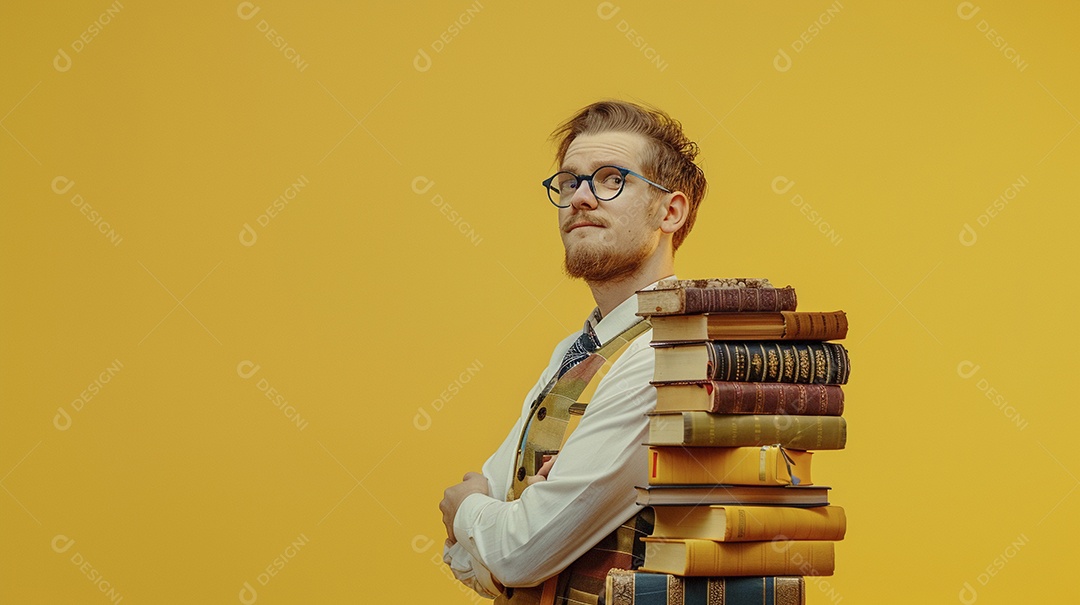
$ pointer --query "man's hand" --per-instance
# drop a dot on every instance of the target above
(471, 483)
(542, 472)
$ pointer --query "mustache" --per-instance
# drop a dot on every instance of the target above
(582, 218)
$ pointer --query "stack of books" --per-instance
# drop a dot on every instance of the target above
(746, 387)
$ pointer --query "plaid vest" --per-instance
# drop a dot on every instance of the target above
(551, 420)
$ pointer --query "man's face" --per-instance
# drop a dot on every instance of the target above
(609, 240)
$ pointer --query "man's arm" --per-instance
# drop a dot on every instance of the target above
(588, 493)
(471, 483)
(469, 572)
(496, 470)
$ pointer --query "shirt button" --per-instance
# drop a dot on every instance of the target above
(541, 414)
(521, 474)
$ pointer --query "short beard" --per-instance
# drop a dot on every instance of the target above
(604, 263)
(599, 265)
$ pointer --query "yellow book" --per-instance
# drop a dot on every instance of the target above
(708, 558)
(749, 523)
(761, 465)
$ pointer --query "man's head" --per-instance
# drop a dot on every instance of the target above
(651, 216)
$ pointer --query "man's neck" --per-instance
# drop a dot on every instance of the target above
(610, 294)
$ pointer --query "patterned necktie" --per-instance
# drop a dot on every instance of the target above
(582, 348)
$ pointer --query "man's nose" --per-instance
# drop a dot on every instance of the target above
(583, 197)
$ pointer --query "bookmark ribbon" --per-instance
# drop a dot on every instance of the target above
(763, 463)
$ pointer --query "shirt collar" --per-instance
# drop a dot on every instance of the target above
(620, 318)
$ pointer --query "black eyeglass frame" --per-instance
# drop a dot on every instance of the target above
(589, 178)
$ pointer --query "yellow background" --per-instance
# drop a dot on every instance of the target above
(362, 301)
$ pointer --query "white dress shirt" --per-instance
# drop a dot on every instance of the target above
(590, 489)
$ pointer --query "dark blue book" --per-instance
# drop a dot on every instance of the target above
(625, 587)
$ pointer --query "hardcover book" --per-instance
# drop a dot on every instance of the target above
(692, 557)
(749, 523)
(624, 587)
(803, 362)
(742, 430)
(749, 398)
(673, 297)
(765, 465)
(744, 495)
(786, 325)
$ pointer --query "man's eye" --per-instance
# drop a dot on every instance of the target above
(614, 181)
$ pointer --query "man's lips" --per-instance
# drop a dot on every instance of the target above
(582, 224)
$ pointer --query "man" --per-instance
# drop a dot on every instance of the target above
(554, 507)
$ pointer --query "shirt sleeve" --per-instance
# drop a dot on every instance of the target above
(468, 572)
(496, 470)
(588, 493)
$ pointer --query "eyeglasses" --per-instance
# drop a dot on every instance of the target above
(606, 183)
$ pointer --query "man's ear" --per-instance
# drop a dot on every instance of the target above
(674, 213)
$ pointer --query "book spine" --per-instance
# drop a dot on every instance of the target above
(796, 361)
(764, 465)
(775, 398)
(747, 524)
(794, 432)
(725, 300)
(750, 523)
(780, 558)
(625, 587)
(815, 325)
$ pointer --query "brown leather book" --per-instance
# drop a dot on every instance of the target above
(786, 325)
(749, 398)
(675, 297)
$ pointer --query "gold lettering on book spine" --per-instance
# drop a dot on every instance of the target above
(772, 364)
(676, 595)
(789, 591)
(622, 587)
(821, 364)
(804, 365)
(797, 405)
(789, 364)
(759, 399)
(756, 364)
(822, 400)
(740, 362)
(715, 589)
